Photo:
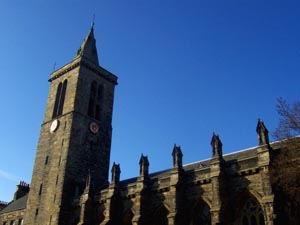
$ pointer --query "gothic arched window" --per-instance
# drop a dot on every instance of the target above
(159, 216)
(96, 100)
(99, 102)
(92, 101)
(252, 213)
(200, 214)
(60, 99)
(58, 92)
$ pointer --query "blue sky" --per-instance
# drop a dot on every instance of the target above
(186, 69)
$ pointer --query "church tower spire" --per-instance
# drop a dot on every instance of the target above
(75, 138)
(88, 48)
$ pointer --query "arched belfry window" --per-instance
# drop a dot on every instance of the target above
(60, 99)
(92, 101)
(96, 100)
(58, 92)
(99, 102)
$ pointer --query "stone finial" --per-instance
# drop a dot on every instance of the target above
(144, 166)
(115, 173)
(216, 146)
(177, 156)
(262, 132)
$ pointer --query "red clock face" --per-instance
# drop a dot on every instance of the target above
(94, 127)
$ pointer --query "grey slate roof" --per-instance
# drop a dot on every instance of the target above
(15, 205)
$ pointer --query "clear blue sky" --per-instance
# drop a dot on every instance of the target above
(185, 68)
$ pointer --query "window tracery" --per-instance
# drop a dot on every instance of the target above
(252, 213)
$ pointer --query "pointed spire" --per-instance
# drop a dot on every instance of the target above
(115, 173)
(177, 156)
(216, 146)
(88, 48)
(262, 132)
(144, 166)
(93, 22)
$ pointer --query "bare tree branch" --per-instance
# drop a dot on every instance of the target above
(289, 121)
(285, 167)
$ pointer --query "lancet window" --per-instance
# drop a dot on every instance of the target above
(60, 99)
(96, 100)
(252, 213)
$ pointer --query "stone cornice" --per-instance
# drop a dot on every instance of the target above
(63, 70)
(81, 61)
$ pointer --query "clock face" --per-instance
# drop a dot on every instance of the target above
(54, 126)
(94, 127)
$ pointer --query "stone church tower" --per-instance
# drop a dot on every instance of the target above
(75, 138)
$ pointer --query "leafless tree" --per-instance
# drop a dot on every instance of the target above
(289, 121)
(285, 168)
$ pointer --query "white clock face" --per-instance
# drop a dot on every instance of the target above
(54, 126)
(94, 127)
